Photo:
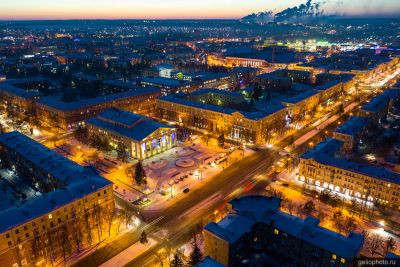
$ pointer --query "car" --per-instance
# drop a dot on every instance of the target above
(186, 190)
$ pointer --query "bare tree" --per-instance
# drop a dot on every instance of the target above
(290, 206)
(349, 224)
(97, 219)
(128, 217)
(110, 216)
(160, 258)
(375, 243)
(51, 246)
(36, 245)
(321, 216)
(88, 228)
(77, 231)
(63, 240)
(309, 207)
(338, 219)
(389, 245)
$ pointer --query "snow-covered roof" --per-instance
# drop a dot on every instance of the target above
(250, 210)
(128, 124)
(73, 181)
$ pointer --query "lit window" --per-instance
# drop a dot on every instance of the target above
(50, 216)
(342, 260)
(276, 231)
(333, 257)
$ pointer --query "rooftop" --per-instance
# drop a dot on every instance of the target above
(376, 104)
(77, 182)
(56, 103)
(163, 81)
(324, 152)
(209, 262)
(249, 210)
(216, 91)
(128, 124)
(183, 99)
(353, 126)
(300, 97)
(11, 89)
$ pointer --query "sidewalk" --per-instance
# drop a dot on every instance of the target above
(130, 253)
(301, 140)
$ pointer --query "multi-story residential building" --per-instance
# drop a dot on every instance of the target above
(240, 121)
(378, 107)
(218, 111)
(168, 86)
(302, 104)
(37, 83)
(244, 62)
(351, 132)
(364, 64)
(140, 135)
(255, 223)
(116, 86)
(48, 205)
(17, 98)
(54, 112)
(172, 86)
(323, 168)
(243, 76)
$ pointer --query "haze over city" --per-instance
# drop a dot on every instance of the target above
(180, 9)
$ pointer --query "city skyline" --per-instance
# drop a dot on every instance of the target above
(178, 9)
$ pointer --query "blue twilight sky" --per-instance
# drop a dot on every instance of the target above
(70, 9)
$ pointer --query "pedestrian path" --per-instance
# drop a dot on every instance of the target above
(130, 253)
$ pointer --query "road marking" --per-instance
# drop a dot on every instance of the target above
(151, 223)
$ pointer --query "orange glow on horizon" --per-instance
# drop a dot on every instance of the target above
(171, 9)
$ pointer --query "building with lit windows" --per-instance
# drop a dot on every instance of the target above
(378, 107)
(18, 99)
(363, 63)
(3, 77)
(166, 85)
(218, 111)
(140, 135)
(324, 168)
(213, 110)
(255, 223)
(47, 200)
(54, 112)
(351, 132)
(172, 86)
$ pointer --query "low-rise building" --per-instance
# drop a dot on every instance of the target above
(140, 135)
(47, 200)
(256, 223)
